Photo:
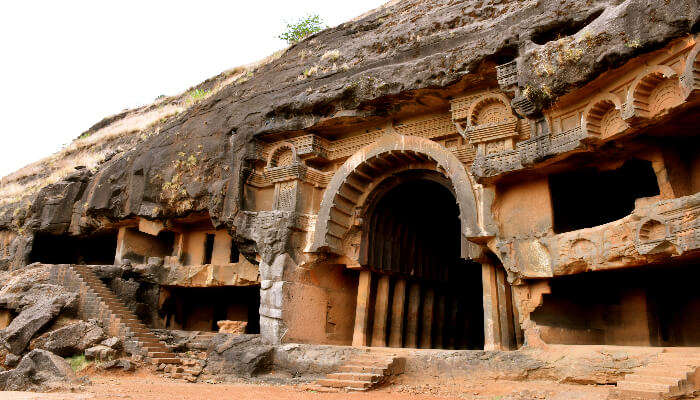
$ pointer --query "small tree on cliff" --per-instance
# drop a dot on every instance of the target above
(307, 26)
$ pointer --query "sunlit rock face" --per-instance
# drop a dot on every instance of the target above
(388, 180)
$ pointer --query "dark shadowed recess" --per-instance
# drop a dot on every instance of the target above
(96, 249)
(588, 197)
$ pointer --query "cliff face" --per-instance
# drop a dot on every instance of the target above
(405, 56)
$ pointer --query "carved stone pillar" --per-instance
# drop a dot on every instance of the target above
(412, 316)
(428, 304)
(492, 323)
(381, 312)
(505, 311)
(362, 310)
(397, 315)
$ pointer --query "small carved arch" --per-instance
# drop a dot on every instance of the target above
(603, 116)
(652, 230)
(281, 155)
(655, 89)
(690, 80)
(489, 110)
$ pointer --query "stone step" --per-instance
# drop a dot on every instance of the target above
(653, 379)
(166, 360)
(337, 383)
(160, 354)
(620, 394)
(371, 363)
(665, 372)
(361, 368)
(372, 358)
(354, 376)
(645, 386)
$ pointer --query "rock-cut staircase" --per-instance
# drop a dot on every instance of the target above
(96, 300)
(674, 375)
(364, 371)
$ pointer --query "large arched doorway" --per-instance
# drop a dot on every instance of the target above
(422, 294)
(405, 212)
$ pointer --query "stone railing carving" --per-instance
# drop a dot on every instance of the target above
(507, 74)
(528, 152)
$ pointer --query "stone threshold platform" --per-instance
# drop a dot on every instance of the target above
(578, 364)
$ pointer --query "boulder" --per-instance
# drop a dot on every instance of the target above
(11, 360)
(237, 327)
(69, 340)
(39, 370)
(101, 353)
(239, 355)
(33, 318)
(113, 342)
(122, 363)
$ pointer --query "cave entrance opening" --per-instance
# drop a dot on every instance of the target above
(644, 306)
(201, 308)
(415, 290)
(577, 201)
(94, 249)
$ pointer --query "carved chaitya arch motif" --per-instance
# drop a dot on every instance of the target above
(690, 80)
(356, 178)
(281, 155)
(486, 120)
(602, 117)
(655, 89)
(490, 110)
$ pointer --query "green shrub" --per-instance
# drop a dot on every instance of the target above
(306, 26)
(78, 362)
(198, 94)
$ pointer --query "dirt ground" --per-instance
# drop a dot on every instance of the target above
(145, 386)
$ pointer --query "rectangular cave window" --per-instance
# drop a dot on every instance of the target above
(235, 254)
(209, 248)
(588, 198)
(199, 309)
(95, 249)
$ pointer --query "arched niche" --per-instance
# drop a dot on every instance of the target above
(602, 118)
(657, 88)
(356, 179)
(492, 109)
(281, 155)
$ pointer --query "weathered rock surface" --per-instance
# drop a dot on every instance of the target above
(39, 370)
(239, 355)
(71, 339)
(359, 71)
(100, 353)
(31, 319)
(122, 364)
(113, 342)
(182, 341)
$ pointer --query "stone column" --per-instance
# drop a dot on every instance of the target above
(381, 312)
(397, 315)
(428, 304)
(492, 324)
(412, 316)
(505, 311)
(440, 322)
(362, 309)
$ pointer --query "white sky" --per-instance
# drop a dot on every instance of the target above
(64, 65)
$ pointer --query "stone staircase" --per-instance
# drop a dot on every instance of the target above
(96, 300)
(365, 371)
(674, 375)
